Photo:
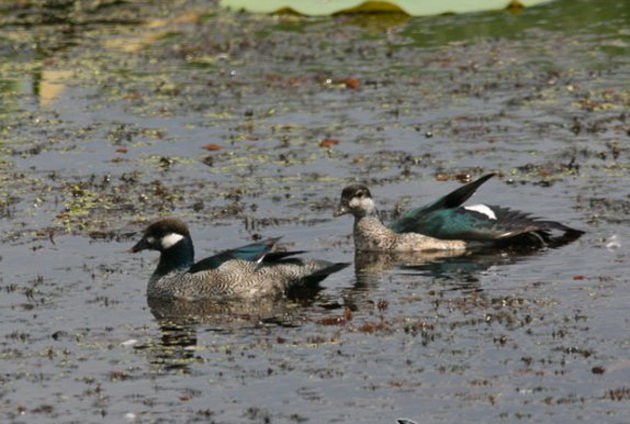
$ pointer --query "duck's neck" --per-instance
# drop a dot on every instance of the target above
(367, 220)
(180, 255)
(370, 233)
(369, 212)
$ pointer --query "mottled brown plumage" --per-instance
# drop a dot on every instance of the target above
(371, 235)
(446, 224)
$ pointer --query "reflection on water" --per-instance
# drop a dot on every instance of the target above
(49, 83)
(179, 322)
(370, 266)
(459, 270)
(219, 314)
(175, 349)
(463, 272)
(151, 31)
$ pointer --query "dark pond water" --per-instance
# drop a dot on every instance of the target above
(106, 109)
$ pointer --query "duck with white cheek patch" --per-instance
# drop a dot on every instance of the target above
(447, 225)
(249, 272)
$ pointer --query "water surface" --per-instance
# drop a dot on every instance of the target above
(105, 112)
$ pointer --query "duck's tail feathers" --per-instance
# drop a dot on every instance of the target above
(330, 268)
(550, 234)
(566, 236)
(308, 286)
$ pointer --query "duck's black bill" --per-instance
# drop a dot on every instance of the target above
(341, 210)
(141, 245)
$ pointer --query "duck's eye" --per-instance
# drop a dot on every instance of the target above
(361, 194)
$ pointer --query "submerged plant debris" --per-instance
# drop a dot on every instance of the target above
(245, 126)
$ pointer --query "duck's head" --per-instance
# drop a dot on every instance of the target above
(162, 235)
(356, 200)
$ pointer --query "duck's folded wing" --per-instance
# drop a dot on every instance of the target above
(487, 223)
(255, 252)
(414, 220)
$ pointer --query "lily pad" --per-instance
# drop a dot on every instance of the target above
(410, 7)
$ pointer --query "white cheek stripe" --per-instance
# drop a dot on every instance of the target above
(170, 240)
(364, 204)
(482, 209)
(367, 203)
